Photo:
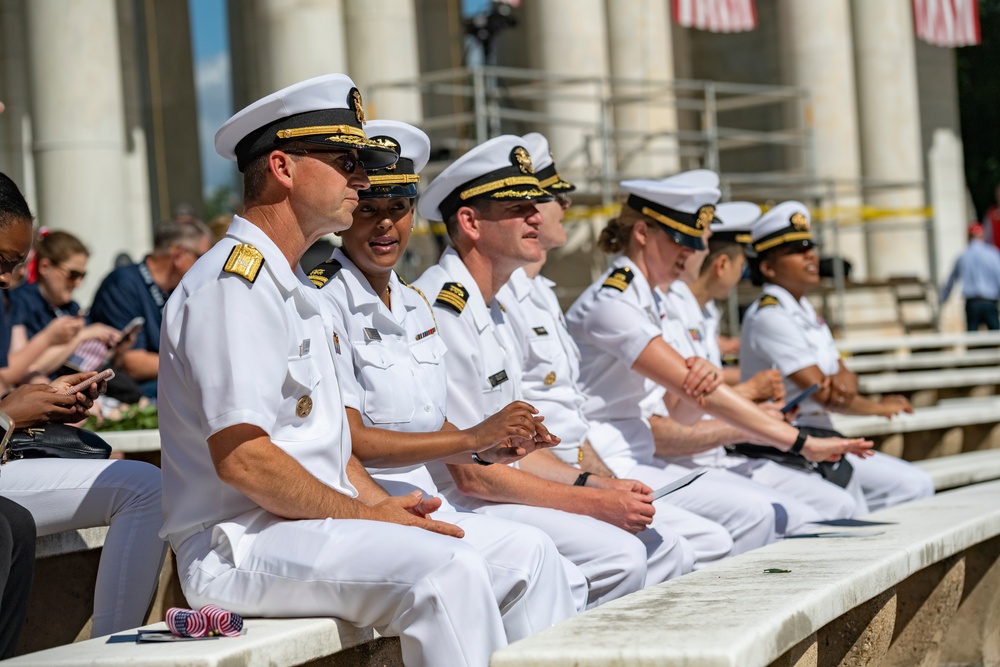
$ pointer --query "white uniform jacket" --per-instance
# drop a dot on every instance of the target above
(272, 368)
(780, 332)
(483, 374)
(396, 360)
(612, 327)
(550, 360)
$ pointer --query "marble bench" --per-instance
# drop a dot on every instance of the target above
(922, 591)
(951, 426)
(266, 643)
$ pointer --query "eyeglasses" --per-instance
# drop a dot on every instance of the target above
(344, 161)
(72, 274)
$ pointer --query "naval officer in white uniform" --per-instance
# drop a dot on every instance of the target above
(395, 390)
(267, 511)
(487, 199)
(781, 329)
(690, 307)
(616, 323)
(550, 363)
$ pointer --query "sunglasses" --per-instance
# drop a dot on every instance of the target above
(72, 274)
(345, 162)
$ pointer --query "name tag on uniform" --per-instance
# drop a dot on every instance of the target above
(498, 378)
(540, 331)
(372, 334)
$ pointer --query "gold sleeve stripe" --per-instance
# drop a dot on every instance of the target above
(784, 238)
(394, 179)
(671, 223)
(496, 185)
(321, 129)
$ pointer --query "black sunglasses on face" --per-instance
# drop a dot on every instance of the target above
(346, 162)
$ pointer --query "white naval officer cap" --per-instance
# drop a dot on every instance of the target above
(732, 222)
(544, 163)
(683, 204)
(412, 146)
(325, 110)
(785, 224)
(499, 169)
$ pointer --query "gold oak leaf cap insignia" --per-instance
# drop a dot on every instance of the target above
(321, 275)
(768, 300)
(453, 297)
(706, 214)
(356, 104)
(799, 222)
(522, 159)
(619, 279)
(244, 261)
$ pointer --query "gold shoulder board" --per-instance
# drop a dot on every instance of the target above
(245, 261)
(768, 300)
(453, 297)
(619, 279)
(321, 275)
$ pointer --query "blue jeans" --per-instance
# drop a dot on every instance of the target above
(979, 312)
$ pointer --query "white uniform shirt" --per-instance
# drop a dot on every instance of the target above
(396, 355)
(612, 328)
(483, 375)
(700, 326)
(235, 352)
(550, 360)
(789, 335)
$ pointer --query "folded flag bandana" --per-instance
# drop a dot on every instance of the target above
(209, 621)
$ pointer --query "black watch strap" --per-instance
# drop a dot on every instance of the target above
(582, 479)
(480, 460)
(800, 442)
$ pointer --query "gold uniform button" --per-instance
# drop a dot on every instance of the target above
(550, 379)
(303, 407)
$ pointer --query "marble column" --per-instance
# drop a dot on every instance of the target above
(79, 127)
(818, 56)
(640, 48)
(298, 39)
(569, 38)
(382, 48)
(889, 118)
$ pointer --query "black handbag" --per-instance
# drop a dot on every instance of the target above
(56, 441)
(835, 472)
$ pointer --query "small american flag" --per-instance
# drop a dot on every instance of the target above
(221, 621)
(947, 22)
(716, 15)
(187, 623)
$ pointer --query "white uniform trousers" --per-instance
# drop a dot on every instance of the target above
(433, 592)
(612, 560)
(886, 480)
(496, 551)
(804, 496)
(67, 494)
(742, 520)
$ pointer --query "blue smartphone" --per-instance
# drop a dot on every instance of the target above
(794, 403)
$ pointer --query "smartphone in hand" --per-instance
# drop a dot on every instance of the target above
(106, 374)
(803, 395)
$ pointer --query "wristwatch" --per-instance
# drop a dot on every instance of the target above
(480, 460)
(582, 479)
(800, 442)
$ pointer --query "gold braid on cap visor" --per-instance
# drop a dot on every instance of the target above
(672, 224)
(496, 185)
(347, 130)
(784, 238)
(394, 179)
